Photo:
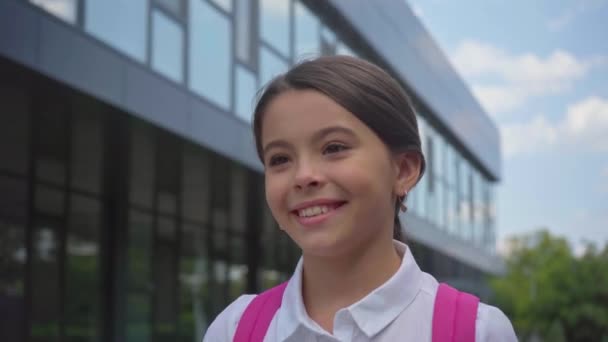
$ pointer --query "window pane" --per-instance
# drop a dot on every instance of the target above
(51, 138)
(87, 146)
(49, 201)
(167, 46)
(238, 205)
(165, 301)
(210, 53)
(120, 23)
(63, 9)
(196, 189)
(83, 279)
(45, 296)
(194, 316)
(176, 7)
(343, 49)
(143, 165)
(306, 33)
(243, 37)
(139, 286)
(13, 256)
(226, 5)
(246, 87)
(14, 130)
(274, 24)
(270, 66)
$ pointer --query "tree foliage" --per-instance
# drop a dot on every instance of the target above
(549, 292)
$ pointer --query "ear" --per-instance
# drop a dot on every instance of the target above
(407, 167)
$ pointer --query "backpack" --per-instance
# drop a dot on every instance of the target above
(454, 315)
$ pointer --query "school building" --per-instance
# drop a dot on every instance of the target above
(131, 197)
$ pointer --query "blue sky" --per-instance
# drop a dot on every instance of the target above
(540, 69)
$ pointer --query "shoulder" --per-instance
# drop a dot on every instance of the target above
(224, 326)
(493, 325)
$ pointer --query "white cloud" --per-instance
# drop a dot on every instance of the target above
(516, 78)
(584, 126)
(417, 11)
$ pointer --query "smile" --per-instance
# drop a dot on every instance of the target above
(315, 213)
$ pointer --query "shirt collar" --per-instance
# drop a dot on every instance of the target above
(371, 314)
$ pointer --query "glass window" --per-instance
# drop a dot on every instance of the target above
(87, 146)
(343, 49)
(210, 53)
(196, 191)
(226, 5)
(13, 256)
(119, 23)
(306, 32)
(51, 139)
(165, 301)
(14, 130)
(246, 88)
(270, 66)
(83, 281)
(139, 286)
(167, 46)
(243, 23)
(169, 160)
(328, 41)
(63, 9)
(274, 24)
(238, 199)
(143, 165)
(45, 308)
(175, 7)
(193, 280)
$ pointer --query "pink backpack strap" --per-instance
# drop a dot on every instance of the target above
(256, 319)
(454, 315)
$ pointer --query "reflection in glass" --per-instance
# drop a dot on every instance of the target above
(120, 23)
(167, 46)
(48, 200)
(175, 7)
(243, 37)
(306, 33)
(210, 53)
(194, 316)
(45, 297)
(270, 65)
(165, 301)
(14, 130)
(13, 257)
(51, 138)
(82, 308)
(139, 288)
(343, 49)
(63, 9)
(226, 5)
(246, 87)
(274, 24)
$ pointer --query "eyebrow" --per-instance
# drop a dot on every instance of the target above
(316, 137)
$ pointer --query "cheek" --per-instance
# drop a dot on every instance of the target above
(275, 192)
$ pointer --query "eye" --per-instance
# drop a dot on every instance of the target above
(277, 160)
(334, 148)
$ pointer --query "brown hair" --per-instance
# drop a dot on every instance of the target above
(362, 88)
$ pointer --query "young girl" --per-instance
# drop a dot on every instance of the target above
(340, 146)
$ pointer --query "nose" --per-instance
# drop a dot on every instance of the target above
(307, 176)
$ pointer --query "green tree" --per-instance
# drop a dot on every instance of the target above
(550, 293)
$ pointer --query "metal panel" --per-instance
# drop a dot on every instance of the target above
(18, 33)
(394, 32)
(72, 57)
(155, 99)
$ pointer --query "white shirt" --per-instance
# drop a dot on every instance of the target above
(399, 310)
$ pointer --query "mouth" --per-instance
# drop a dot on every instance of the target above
(315, 213)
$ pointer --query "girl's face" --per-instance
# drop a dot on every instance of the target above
(330, 181)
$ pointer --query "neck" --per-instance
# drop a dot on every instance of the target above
(332, 283)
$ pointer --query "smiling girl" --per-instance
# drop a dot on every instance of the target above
(340, 146)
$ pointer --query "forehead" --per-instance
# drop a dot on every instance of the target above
(300, 112)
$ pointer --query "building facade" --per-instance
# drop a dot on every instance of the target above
(131, 198)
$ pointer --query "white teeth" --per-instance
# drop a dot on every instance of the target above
(313, 211)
